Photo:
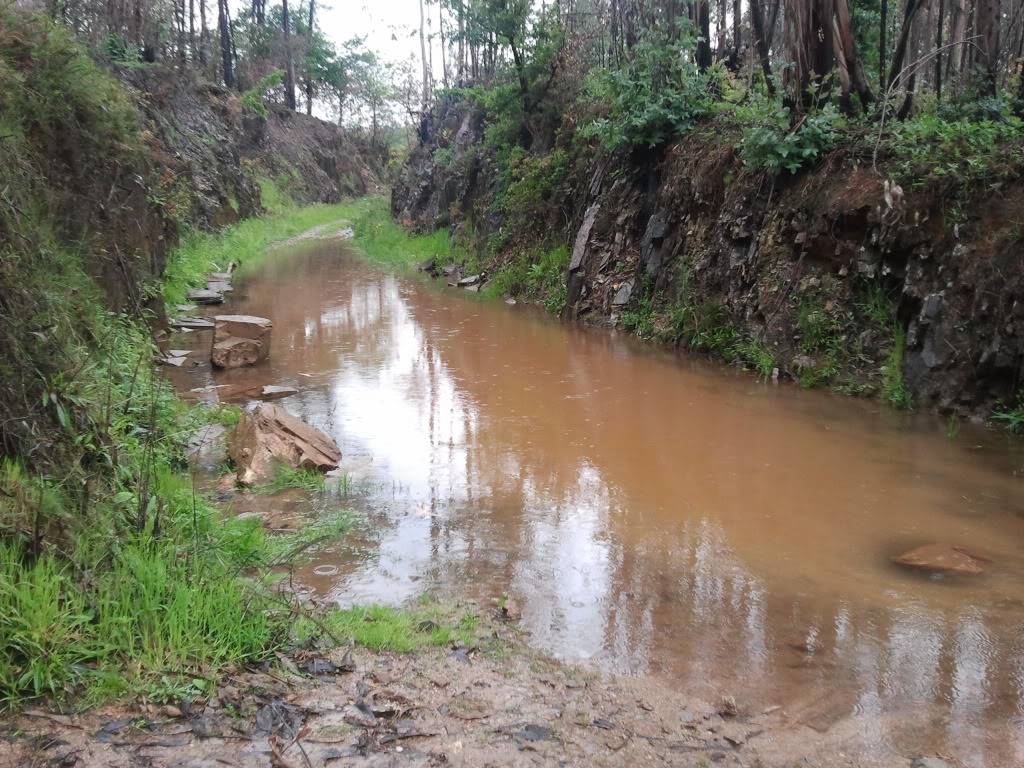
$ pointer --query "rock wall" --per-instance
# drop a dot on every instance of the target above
(692, 227)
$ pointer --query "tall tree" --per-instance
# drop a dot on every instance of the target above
(226, 58)
(987, 20)
(309, 79)
(289, 59)
(423, 59)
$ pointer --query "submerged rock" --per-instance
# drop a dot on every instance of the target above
(276, 391)
(240, 340)
(942, 558)
(235, 352)
(206, 296)
(270, 434)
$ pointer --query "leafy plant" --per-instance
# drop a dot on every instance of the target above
(776, 144)
(1011, 416)
(653, 97)
(255, 99)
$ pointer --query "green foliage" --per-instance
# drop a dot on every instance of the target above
(1011, 416)
(290, 477)
(701, 326)
(381, 240)
(894, 389)
(775, 144)
(533, 185)
(245, 242)
(255, 99)
(536, 275)
(932, 147)
(384, 628)
(655, 96)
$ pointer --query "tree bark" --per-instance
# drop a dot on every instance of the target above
(938, 51)
(847, 49)
(986, 27)
(423, 59)
(224, 24)
(309, 79)
(761, 43)
(737, 22)
(704, 27)
(881, 43)
(289, 62)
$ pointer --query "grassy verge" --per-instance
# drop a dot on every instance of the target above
(377, 237)
(116, 577)
(380, 239)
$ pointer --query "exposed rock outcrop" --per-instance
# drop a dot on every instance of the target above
(691, 226)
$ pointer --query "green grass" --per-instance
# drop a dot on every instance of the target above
(894, 389)
(379, 238)
(291, 477)
(402, 630)
(245, 242)
(1011, 416)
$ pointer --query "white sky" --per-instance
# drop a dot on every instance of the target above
(391, 26)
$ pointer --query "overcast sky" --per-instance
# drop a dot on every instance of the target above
(390, 26)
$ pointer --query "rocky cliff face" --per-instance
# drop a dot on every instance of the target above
(212, 151)
(840, 277)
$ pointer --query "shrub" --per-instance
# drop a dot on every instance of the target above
(776, 145)
(255, 98)
(654, 97)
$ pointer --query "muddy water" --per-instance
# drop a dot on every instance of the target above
(657, 515)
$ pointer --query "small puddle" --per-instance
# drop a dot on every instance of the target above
(653, 514)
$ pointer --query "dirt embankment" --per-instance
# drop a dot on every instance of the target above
(827, 276)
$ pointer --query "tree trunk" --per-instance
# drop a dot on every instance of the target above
(224, 24)
(440, 34)
(761, 43)
(938, 51)
(847, 50)
(881, 43)
(810, 26)
(899, 54)
(737, 21)
(202, 32)
(957, 32)
(309, 80)
(704, 27)
(423, 60)
(723, 30)
(986, 27)
(289, 62)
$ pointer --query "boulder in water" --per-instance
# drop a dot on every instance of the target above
(270, 434)
(942, 558)
(240, 340)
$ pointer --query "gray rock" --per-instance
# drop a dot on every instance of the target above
(623, 294)
(205, 296)
(471, 280)
(194, 323)
(930, 762)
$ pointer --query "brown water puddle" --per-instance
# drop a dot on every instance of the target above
(653, 514)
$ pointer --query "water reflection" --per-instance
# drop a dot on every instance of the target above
(654, 515)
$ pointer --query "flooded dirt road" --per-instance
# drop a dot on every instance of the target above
(656, 515)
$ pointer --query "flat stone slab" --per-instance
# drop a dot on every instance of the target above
(276, 392)
(195, 323)
(219, 276)
(205, 296)
(177, 362)
(219, 286)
